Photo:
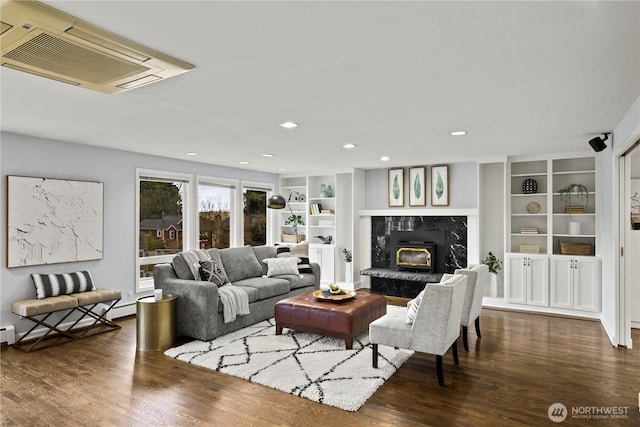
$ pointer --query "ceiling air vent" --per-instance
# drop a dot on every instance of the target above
(43, 41)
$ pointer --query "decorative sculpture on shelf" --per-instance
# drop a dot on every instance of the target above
(326, 240)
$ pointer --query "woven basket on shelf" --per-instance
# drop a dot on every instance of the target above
(291, 238)
(575, 248)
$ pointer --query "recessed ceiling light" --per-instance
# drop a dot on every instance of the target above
(458, 133)
(191, 153)
(281, 169)
(266, 155)
(288, 125)
(385, 158)
(244, 163)
(349, 146)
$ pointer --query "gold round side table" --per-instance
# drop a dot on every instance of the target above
(155, 323)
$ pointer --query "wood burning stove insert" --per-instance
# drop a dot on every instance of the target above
(414, 255)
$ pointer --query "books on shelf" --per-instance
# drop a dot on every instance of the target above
(528, 230)
(316, 209)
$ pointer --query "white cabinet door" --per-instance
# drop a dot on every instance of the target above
(575, 283)
(515, 267)
(324, 255)
(537, 280)
(586, 280)
(527, 279)
(561, 282)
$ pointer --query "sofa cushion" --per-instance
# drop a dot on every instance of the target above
(299, 280)
(181, 268)
(280, 266)
(192, 259)
(262, 253)
(240, 263)
(51, 285)
(212, 269)
(266, 287)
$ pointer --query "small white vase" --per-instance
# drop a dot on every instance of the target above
(348, 277)
(493, 285)
(574, 227)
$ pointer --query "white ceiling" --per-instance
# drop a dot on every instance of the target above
(392, 77)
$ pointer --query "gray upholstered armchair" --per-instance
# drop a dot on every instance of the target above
(477, 281)
(435, 327)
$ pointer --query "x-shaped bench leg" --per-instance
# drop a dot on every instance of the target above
(51, 328)
(98, 318)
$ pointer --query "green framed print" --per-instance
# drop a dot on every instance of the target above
(417, 189)
(440, 185)
(396, 187)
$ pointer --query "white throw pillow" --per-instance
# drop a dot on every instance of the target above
(279, 266)
(412, 307)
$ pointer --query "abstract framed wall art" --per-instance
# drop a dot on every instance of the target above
(417, 196)
(396, 187)
(440, 185)
(52, 221)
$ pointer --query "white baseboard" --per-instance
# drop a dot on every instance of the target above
(123, 310)
(8, 334)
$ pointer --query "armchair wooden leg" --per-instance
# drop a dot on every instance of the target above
(374, 347)
(439, 370)
(478, 327)
(465, 343)
(454, 350)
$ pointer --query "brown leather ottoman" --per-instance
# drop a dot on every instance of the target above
(341, 319)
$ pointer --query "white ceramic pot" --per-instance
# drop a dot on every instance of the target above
(493, 285)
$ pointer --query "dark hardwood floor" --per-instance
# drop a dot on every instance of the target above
(522, 364)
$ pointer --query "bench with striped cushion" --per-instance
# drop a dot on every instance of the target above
(67, 293)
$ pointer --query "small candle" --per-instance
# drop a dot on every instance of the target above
(158, 294)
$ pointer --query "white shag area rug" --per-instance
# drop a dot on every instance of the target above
(316, 367)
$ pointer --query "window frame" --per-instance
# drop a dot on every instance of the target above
(233, 185)
(270, 226)
(145, 284)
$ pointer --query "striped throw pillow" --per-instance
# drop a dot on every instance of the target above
(51, 285)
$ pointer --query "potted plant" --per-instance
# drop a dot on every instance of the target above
(348, 258)
(295, 220)
(575, 198)
(494, 264)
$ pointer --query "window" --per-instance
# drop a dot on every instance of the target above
(254, 198)
(162, 201)
(178, 212)
(215, 212)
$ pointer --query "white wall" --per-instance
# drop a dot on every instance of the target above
(624, 135)
(28, 156)
(492, 210)
(463, 183)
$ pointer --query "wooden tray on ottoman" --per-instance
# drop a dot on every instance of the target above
(344, 319)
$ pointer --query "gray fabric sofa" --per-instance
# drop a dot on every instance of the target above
(198, 308)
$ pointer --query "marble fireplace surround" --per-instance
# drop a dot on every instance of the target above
(405, 219)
